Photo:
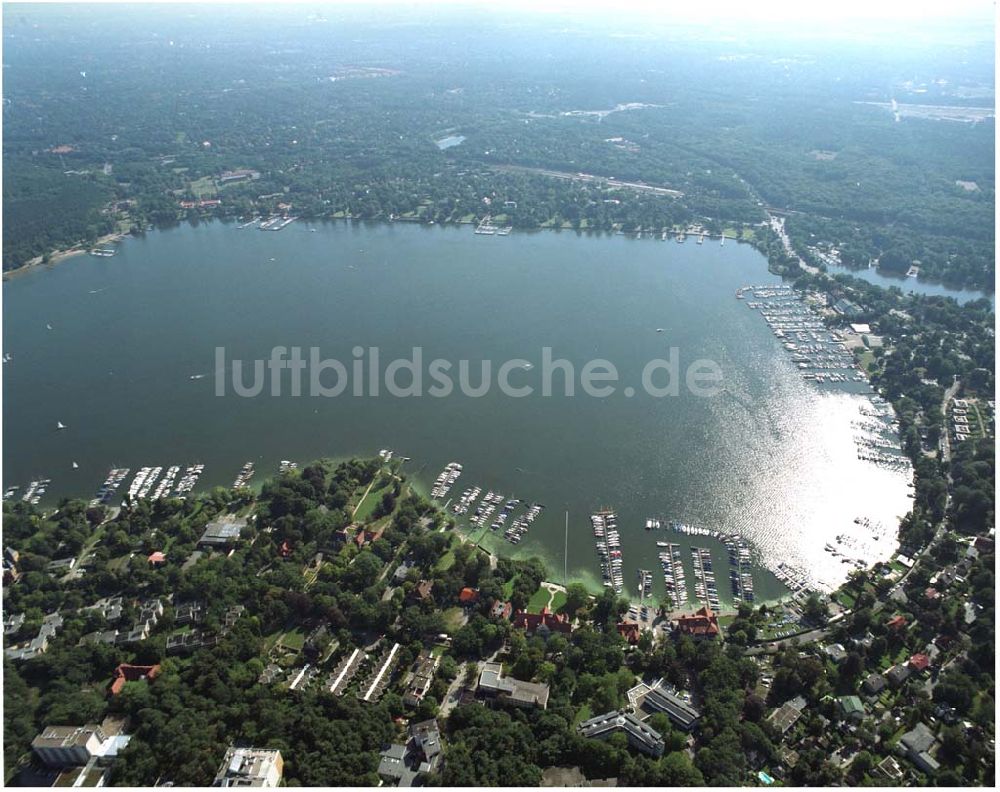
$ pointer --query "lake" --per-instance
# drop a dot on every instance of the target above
(771, 457)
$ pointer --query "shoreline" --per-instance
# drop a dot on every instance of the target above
(59, 256)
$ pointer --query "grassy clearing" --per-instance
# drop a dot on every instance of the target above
(582, 714)
(370, 502)
(445, 562)
(453, 619)
(294, 640)
(204, 187)
(539, 600)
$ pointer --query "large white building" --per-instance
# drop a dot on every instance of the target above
(67, 746)
(251, 767)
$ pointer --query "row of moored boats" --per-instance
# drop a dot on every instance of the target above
(608, 543)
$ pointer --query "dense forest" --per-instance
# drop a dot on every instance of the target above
(339, 118)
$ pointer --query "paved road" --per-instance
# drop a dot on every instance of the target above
(946, 437)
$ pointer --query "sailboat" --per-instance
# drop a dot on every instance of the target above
(76, 466)
(60, 425)
(48, 327)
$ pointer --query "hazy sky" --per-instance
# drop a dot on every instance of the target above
(704, 10)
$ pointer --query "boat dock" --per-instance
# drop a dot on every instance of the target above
(111, 484)
(608, 543)
(705, 587)
(244, 476)
(445, 480)
(673, 574)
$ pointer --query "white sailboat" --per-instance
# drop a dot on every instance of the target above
(76, 466)
(60, 425)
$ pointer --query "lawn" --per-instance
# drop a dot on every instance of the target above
(204, 187)
(453, 619)
(294, 640)
(539, 600)
(445, 562)
(371, 501)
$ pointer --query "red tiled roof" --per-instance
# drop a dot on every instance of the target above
(157, 557)
(131, 673)
(630, 631)
(556, 622)
(920, 662)
(896, 622)
(703, 623)
(468, 595)
(501, 609)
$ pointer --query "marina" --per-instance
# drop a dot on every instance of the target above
(111, 484)
(768, 457)
(608, 543)
(674, 582)
(446, 479)
(740, 570)
(819, 353)
(244, 476)
(705, 588)
(519, 527)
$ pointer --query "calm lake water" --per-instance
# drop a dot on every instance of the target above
(772, 457)
(914, 285)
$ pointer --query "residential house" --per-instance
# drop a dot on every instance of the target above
(392, 764)
(898, 674)
(897, 623)
(422, 591)
(501, 610)
(468, 596)
(835, 652)
(852, 708)
(788, 714)
(426, 741)
(630, 631)
(919, 662)
(917, 745)
(421, 678)
(874, 684)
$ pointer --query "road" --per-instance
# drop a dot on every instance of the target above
(454, 693)
(587, 177)
(946, 436)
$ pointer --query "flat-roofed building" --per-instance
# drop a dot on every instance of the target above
(223, 531)
(788, 714)
(253, 767)
(640, 736)
(524, 694)
(66, 746)
(681, 713)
